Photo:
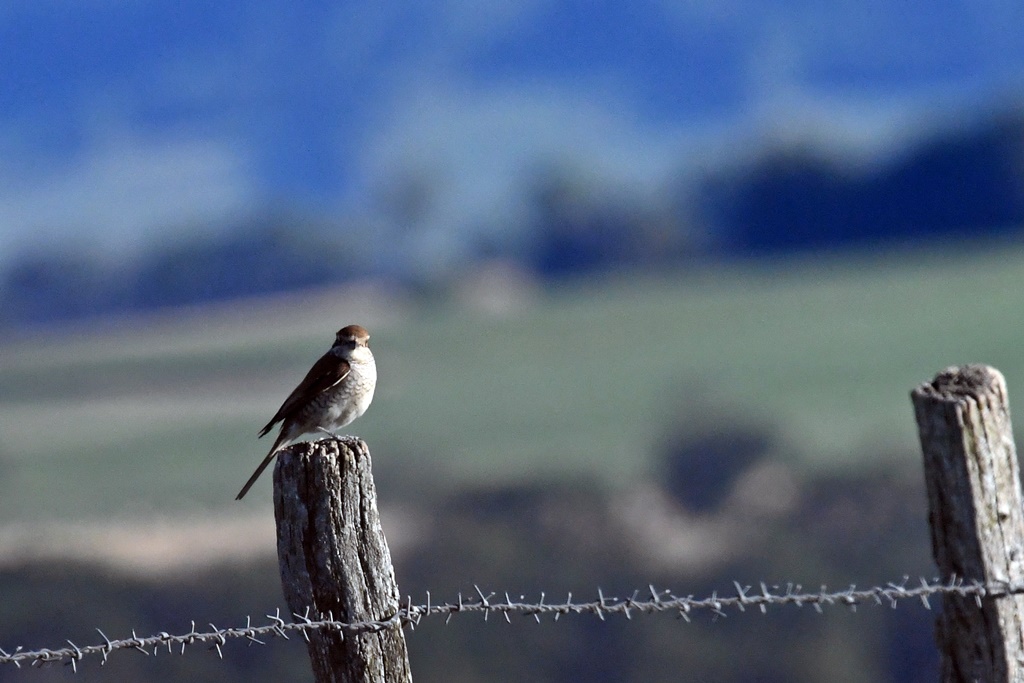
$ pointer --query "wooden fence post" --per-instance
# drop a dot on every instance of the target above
(335, 561)
(976, 519)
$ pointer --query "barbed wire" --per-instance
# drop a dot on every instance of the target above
(409, 615)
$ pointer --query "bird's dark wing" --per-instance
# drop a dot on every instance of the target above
(324, 374)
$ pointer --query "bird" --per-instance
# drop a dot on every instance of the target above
(336, 390)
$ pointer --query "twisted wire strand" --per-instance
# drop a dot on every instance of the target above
(739, 599)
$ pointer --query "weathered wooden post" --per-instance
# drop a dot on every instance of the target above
(335, 560)
(976, 519)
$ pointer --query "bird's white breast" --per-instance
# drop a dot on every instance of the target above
(356, 390)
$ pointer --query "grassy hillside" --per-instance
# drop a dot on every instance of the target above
(159, 416)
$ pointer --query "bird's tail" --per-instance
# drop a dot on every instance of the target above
(281, 440)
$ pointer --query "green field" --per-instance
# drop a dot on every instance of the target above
(159, 416)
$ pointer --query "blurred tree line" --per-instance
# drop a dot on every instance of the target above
(967, 181)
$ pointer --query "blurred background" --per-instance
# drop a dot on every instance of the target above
(648, 284)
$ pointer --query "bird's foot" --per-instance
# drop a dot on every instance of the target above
(346, 439)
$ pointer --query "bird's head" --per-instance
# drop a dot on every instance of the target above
(352, 336)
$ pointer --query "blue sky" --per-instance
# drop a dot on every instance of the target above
(127, 123)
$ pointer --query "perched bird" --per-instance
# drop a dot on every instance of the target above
(336, 390)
